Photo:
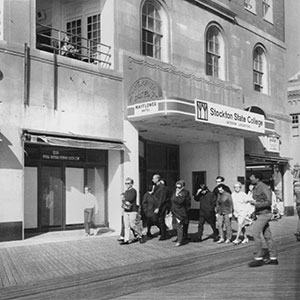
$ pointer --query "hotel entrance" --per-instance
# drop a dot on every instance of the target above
(158, 158)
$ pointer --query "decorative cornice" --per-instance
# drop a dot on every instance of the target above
(217, 8)
(294, 94)
(172, 70)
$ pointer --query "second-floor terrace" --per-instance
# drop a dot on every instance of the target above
(71, 45)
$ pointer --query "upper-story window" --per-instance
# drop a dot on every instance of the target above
(295, 125)
(154, 30)
(260, 74)
(250, 5)
(94, 30)
(215, 52)
(295, 119)
(267, 9)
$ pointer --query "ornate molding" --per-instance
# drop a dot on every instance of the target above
(191, 76)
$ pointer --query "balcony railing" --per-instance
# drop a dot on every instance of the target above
(66, 44)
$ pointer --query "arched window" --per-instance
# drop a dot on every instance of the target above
(154, 30)
(215, 53)
(260, 80)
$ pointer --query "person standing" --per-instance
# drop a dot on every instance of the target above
(130, 213)
(207, 214)
(242, 211)
(262, 201)
(149, 205)
(220, 180)
(91, 208)
(297, 196)
(160, 192)
(224, 210)
(180, 202)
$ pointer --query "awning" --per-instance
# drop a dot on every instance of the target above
(255, 159)
(71, 141)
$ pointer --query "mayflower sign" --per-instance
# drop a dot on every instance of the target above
(218, 114)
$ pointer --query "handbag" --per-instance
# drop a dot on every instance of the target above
(169, 220)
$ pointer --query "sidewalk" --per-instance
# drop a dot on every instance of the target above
(58, 257)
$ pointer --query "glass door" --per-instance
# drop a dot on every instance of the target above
(51, 204)
(74, 195)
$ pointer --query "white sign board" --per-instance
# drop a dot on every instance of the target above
(146, 108)
(218, 114)
(270, 143)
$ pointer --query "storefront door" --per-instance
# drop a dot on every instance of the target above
(51, 206)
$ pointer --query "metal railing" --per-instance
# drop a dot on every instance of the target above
(62, 43)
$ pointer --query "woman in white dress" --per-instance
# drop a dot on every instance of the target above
(242, 211)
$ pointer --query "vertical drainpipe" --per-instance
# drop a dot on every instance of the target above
(55, 82)
(26, 74)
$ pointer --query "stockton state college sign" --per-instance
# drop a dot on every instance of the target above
(218, 114)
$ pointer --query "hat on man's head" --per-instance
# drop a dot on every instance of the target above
(180, 183)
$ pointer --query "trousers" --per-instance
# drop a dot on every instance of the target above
(261, 226)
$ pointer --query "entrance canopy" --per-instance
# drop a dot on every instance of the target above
(256, 159)
(56, 139)
(179, 121)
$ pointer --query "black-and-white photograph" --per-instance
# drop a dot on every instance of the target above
(149, 149)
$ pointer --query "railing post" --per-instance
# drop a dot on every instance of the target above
(55, 82)
(26, 73)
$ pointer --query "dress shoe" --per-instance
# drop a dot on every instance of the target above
(256, 263)
(142, 240)
(269, 261)
(124, 243)
(162, 238)
(149, 235)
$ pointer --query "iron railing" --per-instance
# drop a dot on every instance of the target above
(52, 40)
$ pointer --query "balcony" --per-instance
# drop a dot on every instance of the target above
(73, 46)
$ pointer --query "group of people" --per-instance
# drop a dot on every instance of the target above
(157, 202)
(217, 208)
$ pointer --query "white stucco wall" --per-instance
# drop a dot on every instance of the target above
(115, 188)
(223, 158)
(199, 157)
(131, 155)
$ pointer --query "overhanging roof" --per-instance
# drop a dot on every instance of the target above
(255, 159)
(73, 141)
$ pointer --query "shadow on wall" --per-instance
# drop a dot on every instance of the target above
(8, 160)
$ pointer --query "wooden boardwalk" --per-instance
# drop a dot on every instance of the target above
(101, 269)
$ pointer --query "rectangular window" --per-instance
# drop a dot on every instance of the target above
(94, 31)
(74, 30)
(267, 8)
(74, 195)
(295, 119)
(295, 131)
(250, 5)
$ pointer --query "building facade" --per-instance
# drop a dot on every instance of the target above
(92, 94)
(293, 101)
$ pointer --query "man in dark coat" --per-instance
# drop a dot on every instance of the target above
(181, 201)
(149, 205)
(161, 194)
(207, 214)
